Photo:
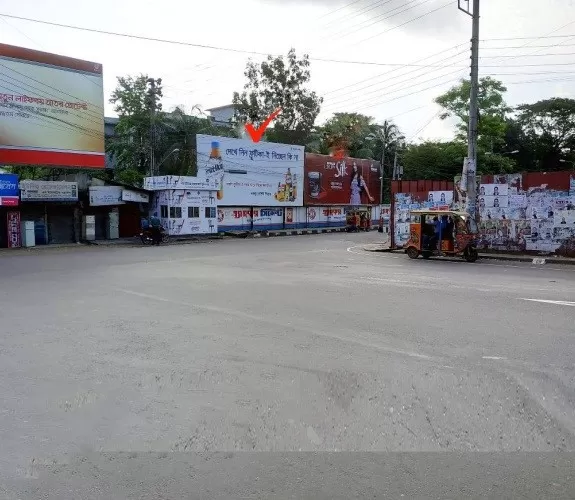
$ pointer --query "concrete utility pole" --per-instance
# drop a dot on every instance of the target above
(471, 167)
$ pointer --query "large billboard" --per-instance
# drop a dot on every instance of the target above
(346, 181)
(249, 174)
(51, 109)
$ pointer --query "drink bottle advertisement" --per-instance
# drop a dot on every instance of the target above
(262, 174)
(345, 181)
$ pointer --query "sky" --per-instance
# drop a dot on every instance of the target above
(420, 47)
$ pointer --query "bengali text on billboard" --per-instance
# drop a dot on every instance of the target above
(251, 174)
(51, 109)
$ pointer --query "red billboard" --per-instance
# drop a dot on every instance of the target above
(345, 181)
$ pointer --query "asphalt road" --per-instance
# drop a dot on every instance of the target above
(253, 368)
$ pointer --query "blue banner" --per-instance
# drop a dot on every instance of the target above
(8, 185)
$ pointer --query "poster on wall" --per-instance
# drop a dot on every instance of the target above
(13, 228)
(248, 174)
(439, 199)
(345, 181)
(493, 190)
(52, 109)
(9, 193)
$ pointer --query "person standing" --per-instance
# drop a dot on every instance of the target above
(156, 229)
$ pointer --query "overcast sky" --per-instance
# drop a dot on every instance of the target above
(425, 43)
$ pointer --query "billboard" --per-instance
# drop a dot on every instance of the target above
(265, 174)
(13, 228)
(48, 191)
(347, 181)
(9, 192)
(51, 109)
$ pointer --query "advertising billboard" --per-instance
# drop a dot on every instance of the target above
(265, 174)
(48, 191)
(348, 181)
(51, 109)
(9, 192)
(13, 228)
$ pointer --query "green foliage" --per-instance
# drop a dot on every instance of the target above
(492, 111)
(433, 160)
(548, 128)
(279, 83)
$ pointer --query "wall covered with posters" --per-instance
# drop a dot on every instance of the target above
(531, 212)
(348, 181)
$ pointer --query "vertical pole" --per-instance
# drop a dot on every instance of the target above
(395, 173)
(471, 198)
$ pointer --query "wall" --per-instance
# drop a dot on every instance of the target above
(532, 212)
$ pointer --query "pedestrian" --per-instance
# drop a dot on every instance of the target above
(156, 229)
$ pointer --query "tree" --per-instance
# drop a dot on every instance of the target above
(492, 124)
(278, 83)
(549, 126)
(137, 102)
(433, 160)
(349, 133)
(388, 140)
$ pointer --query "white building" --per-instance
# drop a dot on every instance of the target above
(222, 115)
(185, 205)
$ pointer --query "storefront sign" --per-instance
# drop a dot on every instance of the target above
(135, 196)
(101, 196)
(13, 227)
(48, 191)
(9, 190)
(178, 182)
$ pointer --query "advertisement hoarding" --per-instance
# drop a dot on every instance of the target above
(13, 228)
(48, 191)
(348, 181)
(51, 109)
(186, 211)
(101, 196)
(248, 174)
(9, 192)
(162, 182)
(135, 196)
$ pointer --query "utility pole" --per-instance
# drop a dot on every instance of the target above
(470, 168)
(153, 95)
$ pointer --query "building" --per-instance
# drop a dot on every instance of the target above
(109, 129)
(222, 115)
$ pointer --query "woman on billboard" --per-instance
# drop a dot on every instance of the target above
(357, 186)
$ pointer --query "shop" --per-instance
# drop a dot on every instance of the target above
(52, 207)
(185, 205)
(117, 211)
(9, 211)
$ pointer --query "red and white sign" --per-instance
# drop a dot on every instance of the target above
(9, 201)
(14, 236)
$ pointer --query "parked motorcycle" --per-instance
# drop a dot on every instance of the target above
(146, 237)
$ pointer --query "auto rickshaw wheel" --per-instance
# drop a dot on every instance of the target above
(470, 254)
(412, 253)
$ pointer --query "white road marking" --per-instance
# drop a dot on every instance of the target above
(493, 357)
(556, 302)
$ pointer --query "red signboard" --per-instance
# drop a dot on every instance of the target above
(346, 181)
(14, 236)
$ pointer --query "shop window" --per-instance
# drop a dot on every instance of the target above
(210, 212)
(164, 211)
(175, 212)
(193, 212)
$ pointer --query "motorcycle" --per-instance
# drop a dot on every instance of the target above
(146, 236)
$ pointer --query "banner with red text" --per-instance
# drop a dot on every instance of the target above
(51, 109)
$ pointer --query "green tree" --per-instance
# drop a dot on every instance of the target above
(492, 123)
(137, 102)
(433, 160)
(388, 140)
(279, 83)
(350, 132)
(549, 126)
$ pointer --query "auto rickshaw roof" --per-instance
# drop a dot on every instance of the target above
(439, 212)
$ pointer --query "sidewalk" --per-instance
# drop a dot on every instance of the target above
(533, 259)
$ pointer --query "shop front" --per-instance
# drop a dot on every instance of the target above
(51, 206)
(9, 211)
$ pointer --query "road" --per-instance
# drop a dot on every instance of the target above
(137, 372)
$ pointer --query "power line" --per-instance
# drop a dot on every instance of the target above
(338, 9)
(544, 37)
